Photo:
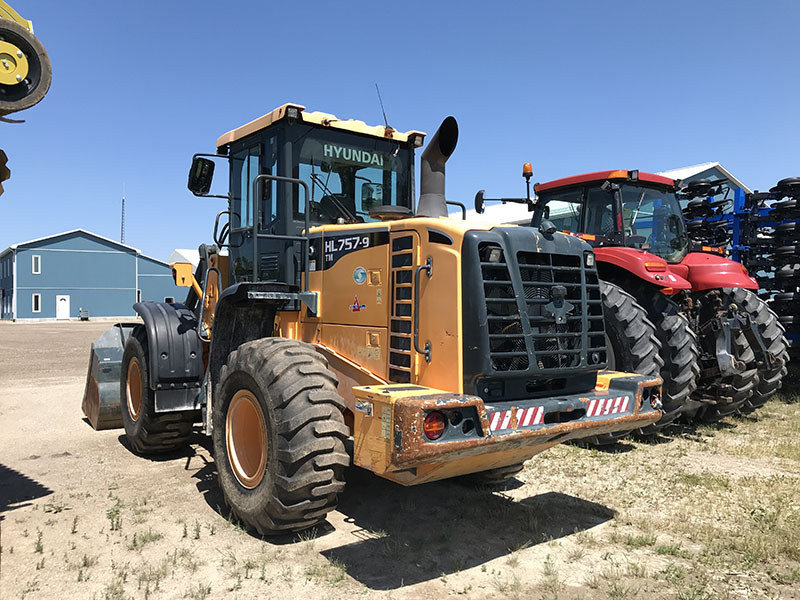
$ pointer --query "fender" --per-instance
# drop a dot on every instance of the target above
(245, 312)
(708, 271)
(176, 355)
(636, 262)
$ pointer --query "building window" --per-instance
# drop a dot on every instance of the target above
(169, 299)
(36, 303)
(36, 264)
(138, 295)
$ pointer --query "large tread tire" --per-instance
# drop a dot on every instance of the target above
(633, 345)
(298, 482)
(494, 478)
(147, 431)
(772, 333)
(679, 352)
(33, 88)
(741, 384)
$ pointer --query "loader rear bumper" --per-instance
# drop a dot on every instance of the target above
(389, 438)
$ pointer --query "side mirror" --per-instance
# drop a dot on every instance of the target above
(479, 203)
(200, 176)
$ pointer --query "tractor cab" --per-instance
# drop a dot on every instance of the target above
(617, 208)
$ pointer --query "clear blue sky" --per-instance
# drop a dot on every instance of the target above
(568, 86)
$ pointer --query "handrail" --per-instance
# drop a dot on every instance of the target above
(428, 267)
(257, 218)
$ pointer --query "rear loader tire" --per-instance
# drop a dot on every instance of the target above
(632, 343)
(680, 352)
(279, 436)
(772, 333)
(147, 431)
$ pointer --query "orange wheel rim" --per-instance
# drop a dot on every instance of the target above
(246, 439)
(134, 389)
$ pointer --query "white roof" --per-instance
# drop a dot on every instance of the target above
(497, 212)
(694, 170)
(184, 255)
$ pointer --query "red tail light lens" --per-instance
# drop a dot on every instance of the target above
(434, 425)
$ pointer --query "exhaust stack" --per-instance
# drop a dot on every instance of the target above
(431, 169)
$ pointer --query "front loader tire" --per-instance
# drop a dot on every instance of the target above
(147, 431)
(279, 436)
(632, 343)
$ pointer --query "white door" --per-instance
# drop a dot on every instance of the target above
(62, 307)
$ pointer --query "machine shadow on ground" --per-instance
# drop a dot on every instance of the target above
(17, 490)
(407, 535)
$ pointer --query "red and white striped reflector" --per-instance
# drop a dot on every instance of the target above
(607, 406)
(525, 417)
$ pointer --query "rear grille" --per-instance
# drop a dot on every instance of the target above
(522, 322)
(400, 363)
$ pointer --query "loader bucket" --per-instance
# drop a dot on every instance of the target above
(101, 396)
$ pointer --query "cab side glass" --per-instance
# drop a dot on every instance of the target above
(200, 176)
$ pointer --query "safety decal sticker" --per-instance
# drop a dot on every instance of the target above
(525, 417)
(608, 406)
(360, 275)
(356, 307)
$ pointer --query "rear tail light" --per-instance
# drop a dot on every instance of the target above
(434, 425)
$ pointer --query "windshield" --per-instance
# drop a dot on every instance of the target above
(348, 174)
(653, 221)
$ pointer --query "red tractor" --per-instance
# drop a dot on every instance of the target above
(723, 349)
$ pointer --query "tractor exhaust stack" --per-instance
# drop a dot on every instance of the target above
(431, 170)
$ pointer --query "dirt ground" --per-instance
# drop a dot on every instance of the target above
(699, 513)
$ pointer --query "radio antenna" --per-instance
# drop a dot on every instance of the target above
(385, 120)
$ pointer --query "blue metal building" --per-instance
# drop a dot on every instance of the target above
(56, 276)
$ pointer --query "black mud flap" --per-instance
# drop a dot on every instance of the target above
(176, 355)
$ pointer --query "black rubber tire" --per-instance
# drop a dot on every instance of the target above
(148, 432)
(34, 87)
(632, 343)
(305, 429)
(742, 384)
(492, 478)
(679, 353)
(772, 333)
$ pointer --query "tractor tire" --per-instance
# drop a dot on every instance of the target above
(772, 333)
(279, 436)
(742, 384)
(22, 94)
(147, 431)
(494, 478)
(632, 343)
(679, 352)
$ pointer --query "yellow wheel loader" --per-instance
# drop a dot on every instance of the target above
(345, 327)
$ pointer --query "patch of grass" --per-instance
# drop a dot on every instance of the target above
(551, 582)
(672, 550)
(706, 480)
(142, 539)
(199, 592)
(114, 515)
(151, 576)
(640, 541)
(38, 546)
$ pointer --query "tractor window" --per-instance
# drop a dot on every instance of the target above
(348, 174)
(563, 208)
(653, 222)
(599, 212)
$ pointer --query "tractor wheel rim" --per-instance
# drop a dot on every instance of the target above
(246, 439)
(134, 389)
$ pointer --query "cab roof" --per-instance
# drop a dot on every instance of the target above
(317, 118)
(602, 176)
